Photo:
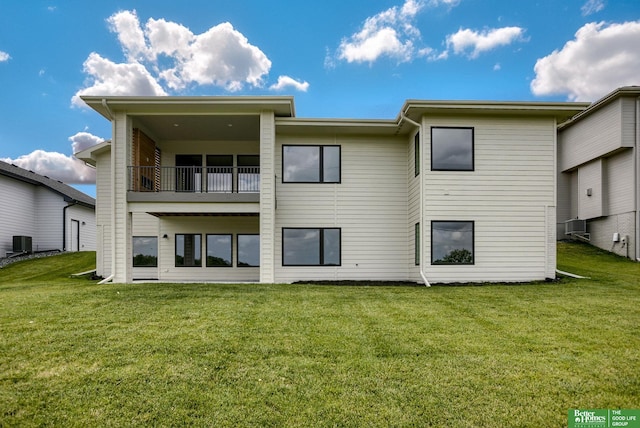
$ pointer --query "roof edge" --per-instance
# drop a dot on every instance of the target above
(632, 91)
(282, 105)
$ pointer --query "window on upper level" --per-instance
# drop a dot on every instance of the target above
(452, 242)
(311, 247)
(452, 149)
(311, 164)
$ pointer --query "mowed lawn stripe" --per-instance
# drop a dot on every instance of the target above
(73, 353)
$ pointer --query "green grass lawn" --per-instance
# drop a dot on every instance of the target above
(74, 353)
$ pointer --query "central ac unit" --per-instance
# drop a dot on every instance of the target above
(22, 244)
(575, 226)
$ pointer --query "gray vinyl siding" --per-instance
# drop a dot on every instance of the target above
(605, 131)
(48, 217)
(37, 211)
(369, 206)
(87, 221)
(509, 196)
(590, 176)
(620, 183)
(18, 216)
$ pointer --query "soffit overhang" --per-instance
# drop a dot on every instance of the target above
(344, 127)
(561, 111)
(201, 105)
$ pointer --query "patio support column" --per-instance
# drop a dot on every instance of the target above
(267, 196)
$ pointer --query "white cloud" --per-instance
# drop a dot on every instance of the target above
(130, 35)
(591, 7)
(110, 78)
(57, 166)
(223, 57)
(165, 56)
(4, 56)
(83, 140)
(601, 58)
(477, 42)
(390, 33)
(286, 82)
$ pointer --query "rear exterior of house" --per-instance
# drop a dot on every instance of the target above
(598, 174)
(42, 214)
(238, 189)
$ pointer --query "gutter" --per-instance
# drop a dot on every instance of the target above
(416, 124)
(106, 107)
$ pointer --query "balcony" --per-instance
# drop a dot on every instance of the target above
(193, 184)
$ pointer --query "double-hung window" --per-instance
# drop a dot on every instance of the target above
(311, 247)
(310, 164)
(452, 242)
(452, 149)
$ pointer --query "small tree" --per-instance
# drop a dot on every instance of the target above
(457, 256)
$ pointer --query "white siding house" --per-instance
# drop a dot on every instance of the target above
(240, 189)
(51, 214)
(599, 175)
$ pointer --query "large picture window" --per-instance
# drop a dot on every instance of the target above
(145, 251)
(188, 250)
(452, 149)
(311, 247)
(452, 242)
(248, 250)
(219, 251)
(310, 164)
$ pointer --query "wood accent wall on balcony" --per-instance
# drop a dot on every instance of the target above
(145, 153)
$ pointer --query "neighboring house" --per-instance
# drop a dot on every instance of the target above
(48, 213)
(239, 189)
(599, 173)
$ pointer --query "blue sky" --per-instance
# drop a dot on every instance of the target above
(338, 58)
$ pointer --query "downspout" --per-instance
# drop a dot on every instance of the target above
(64, 224)
(636, 179)
(113, 195)
(422, 273)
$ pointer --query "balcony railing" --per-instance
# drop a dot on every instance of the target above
(195, 179)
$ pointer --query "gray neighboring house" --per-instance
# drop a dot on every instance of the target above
(46, 213)
(599, 173)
